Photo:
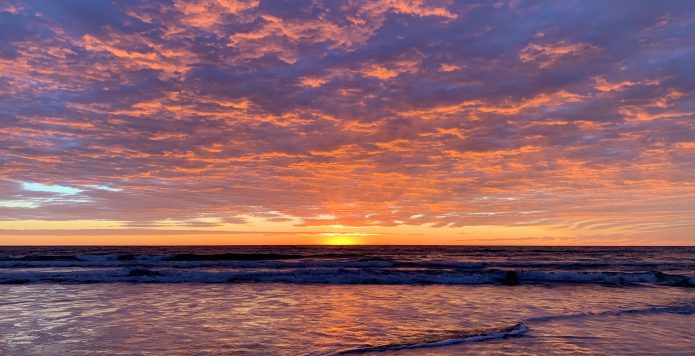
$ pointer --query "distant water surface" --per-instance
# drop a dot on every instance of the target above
(331, 300)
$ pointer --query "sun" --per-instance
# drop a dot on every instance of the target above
(340, 240)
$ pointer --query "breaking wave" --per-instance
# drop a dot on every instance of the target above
(330, 273)
(354, 265)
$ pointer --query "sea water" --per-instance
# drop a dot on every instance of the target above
(343, 300)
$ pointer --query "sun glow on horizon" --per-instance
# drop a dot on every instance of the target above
(337, 239)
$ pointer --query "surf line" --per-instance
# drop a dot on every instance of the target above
(450, 338)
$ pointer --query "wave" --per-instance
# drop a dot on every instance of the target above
(230, 257)
(452, 337)
(170, 257)
(671, 309)
(162, 262)
(281, 260)
(348, 273)
(445, 338)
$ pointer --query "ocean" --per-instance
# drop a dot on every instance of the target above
(329, 300)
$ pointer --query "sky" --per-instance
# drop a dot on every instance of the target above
(343, 122)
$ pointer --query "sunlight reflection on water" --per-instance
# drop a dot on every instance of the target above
(299, 319)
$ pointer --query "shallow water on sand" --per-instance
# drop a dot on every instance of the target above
(295, 319)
